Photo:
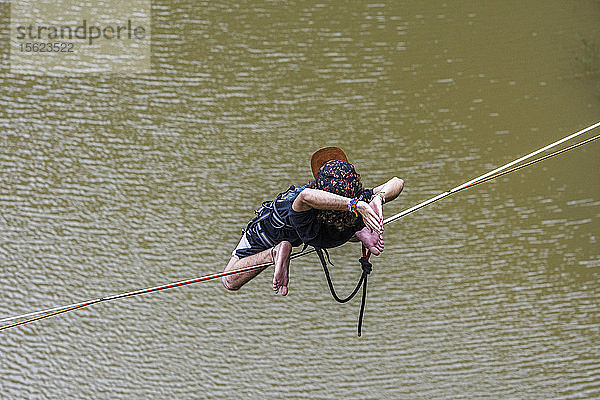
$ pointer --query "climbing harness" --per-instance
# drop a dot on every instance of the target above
(365, 264)
(268, 213)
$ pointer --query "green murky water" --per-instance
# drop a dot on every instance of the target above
(110, 183)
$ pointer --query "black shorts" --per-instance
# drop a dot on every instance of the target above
(253, 241)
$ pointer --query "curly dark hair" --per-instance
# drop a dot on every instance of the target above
(339, 219)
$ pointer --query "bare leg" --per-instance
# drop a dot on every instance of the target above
(281, 256)
(236, 281)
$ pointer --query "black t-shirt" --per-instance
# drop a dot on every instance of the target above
(317, 234)
(304, 227)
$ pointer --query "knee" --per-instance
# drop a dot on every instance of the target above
(228, 283)
(282, 249)
(399, 182)
(284, 246)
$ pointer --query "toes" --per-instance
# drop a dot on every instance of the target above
(284, 289)
(277, 285)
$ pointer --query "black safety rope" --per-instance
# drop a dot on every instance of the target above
(366, 267)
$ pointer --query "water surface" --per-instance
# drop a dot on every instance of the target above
(110, 183)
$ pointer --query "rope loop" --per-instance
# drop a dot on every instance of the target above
(366, 267)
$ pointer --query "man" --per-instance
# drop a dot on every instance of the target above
(326, 213)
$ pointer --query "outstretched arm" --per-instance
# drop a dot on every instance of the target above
(322, 200)
(391, 189)
(384, 193)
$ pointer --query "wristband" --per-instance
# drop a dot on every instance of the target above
(352, 206)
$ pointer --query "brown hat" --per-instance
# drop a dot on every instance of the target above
(323, 155)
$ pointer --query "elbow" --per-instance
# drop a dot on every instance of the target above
(304, 197)
(303, 201)
(399, 183)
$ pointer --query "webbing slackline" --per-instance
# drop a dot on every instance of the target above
(500, 171)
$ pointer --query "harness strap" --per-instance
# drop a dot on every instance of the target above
(366, 266)
(268, 212)
(276, 220)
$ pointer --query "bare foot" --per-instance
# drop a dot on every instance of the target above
(281, 257)
(372, 240)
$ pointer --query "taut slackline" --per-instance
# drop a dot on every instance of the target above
(500, 171)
